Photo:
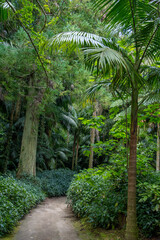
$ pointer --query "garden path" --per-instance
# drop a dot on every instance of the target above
(51, 220)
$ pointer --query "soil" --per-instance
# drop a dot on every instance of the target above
(51, 220)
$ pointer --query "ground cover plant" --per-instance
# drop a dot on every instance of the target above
(100, 196)
(56, 182)
(16, 199)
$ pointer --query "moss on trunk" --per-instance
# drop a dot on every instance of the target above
(27, 161)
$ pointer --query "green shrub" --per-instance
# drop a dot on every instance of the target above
(100, 195)
(56, 182)
(148, 207)
(16, 199)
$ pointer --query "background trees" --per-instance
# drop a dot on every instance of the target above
(47, 121)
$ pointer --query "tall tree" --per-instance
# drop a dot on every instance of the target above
(27, 162)
(140, 26)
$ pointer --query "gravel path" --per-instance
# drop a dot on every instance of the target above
(51, 220)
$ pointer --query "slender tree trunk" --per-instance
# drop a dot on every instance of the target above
(74, 147)
(68, 136)
(18, 108)
(97, 135)
(77, 149)
(138, 132)
(9, 139)
(158, 149)
(92, 140)
(27, 161)
(98, 109)
(131, 227)
(127, 140)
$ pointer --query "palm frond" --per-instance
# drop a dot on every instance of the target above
(68, 120)
(104, 57)
(99, 52)
(62, 155)
(5, 10)
(78, 38)
(114, 10)
(90, 92)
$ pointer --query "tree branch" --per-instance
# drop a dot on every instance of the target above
(45, 16)
(30, 41)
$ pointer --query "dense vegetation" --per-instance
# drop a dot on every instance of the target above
(79, 88)
(17, 197)
(99, 195)
(55, 183)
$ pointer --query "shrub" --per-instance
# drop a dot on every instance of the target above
(100, 195)
(148, 207)
(16, 199)
(56, 182)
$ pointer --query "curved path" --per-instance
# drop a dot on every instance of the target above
(51, 220)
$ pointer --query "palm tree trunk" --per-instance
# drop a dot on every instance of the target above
(158, 148)
(74, 147)
(92, 133)
(27, 161)
(77, 149)
(91, 147)
(131, 227)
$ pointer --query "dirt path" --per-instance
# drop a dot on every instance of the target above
(51, 220)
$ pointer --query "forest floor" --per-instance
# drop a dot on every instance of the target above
(53, 220)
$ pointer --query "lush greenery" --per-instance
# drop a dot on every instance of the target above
(16, 199)
(79, 88)
(55, 183)
(100, 194)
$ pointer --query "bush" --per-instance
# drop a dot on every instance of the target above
(16, 199)
(100, 195)
(56, 182)
(148, 207)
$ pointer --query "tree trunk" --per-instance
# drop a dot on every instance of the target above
(158, 148)
(91, 147)
(18, 108)
(131, 227)
(27, 161)
(77, 148)
(68, 136)
(99, 110)
(97, 135)
(9, 139)
(74, 147)
(92, 139)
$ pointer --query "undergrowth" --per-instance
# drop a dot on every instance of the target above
(100, 195)
(55, 183)
(17, 197)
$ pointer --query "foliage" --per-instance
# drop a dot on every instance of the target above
(96, 194)
(16, 199)
(95, 122)
(100, 195)
(56, 182)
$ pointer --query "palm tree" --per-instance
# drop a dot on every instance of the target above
(140, 33)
